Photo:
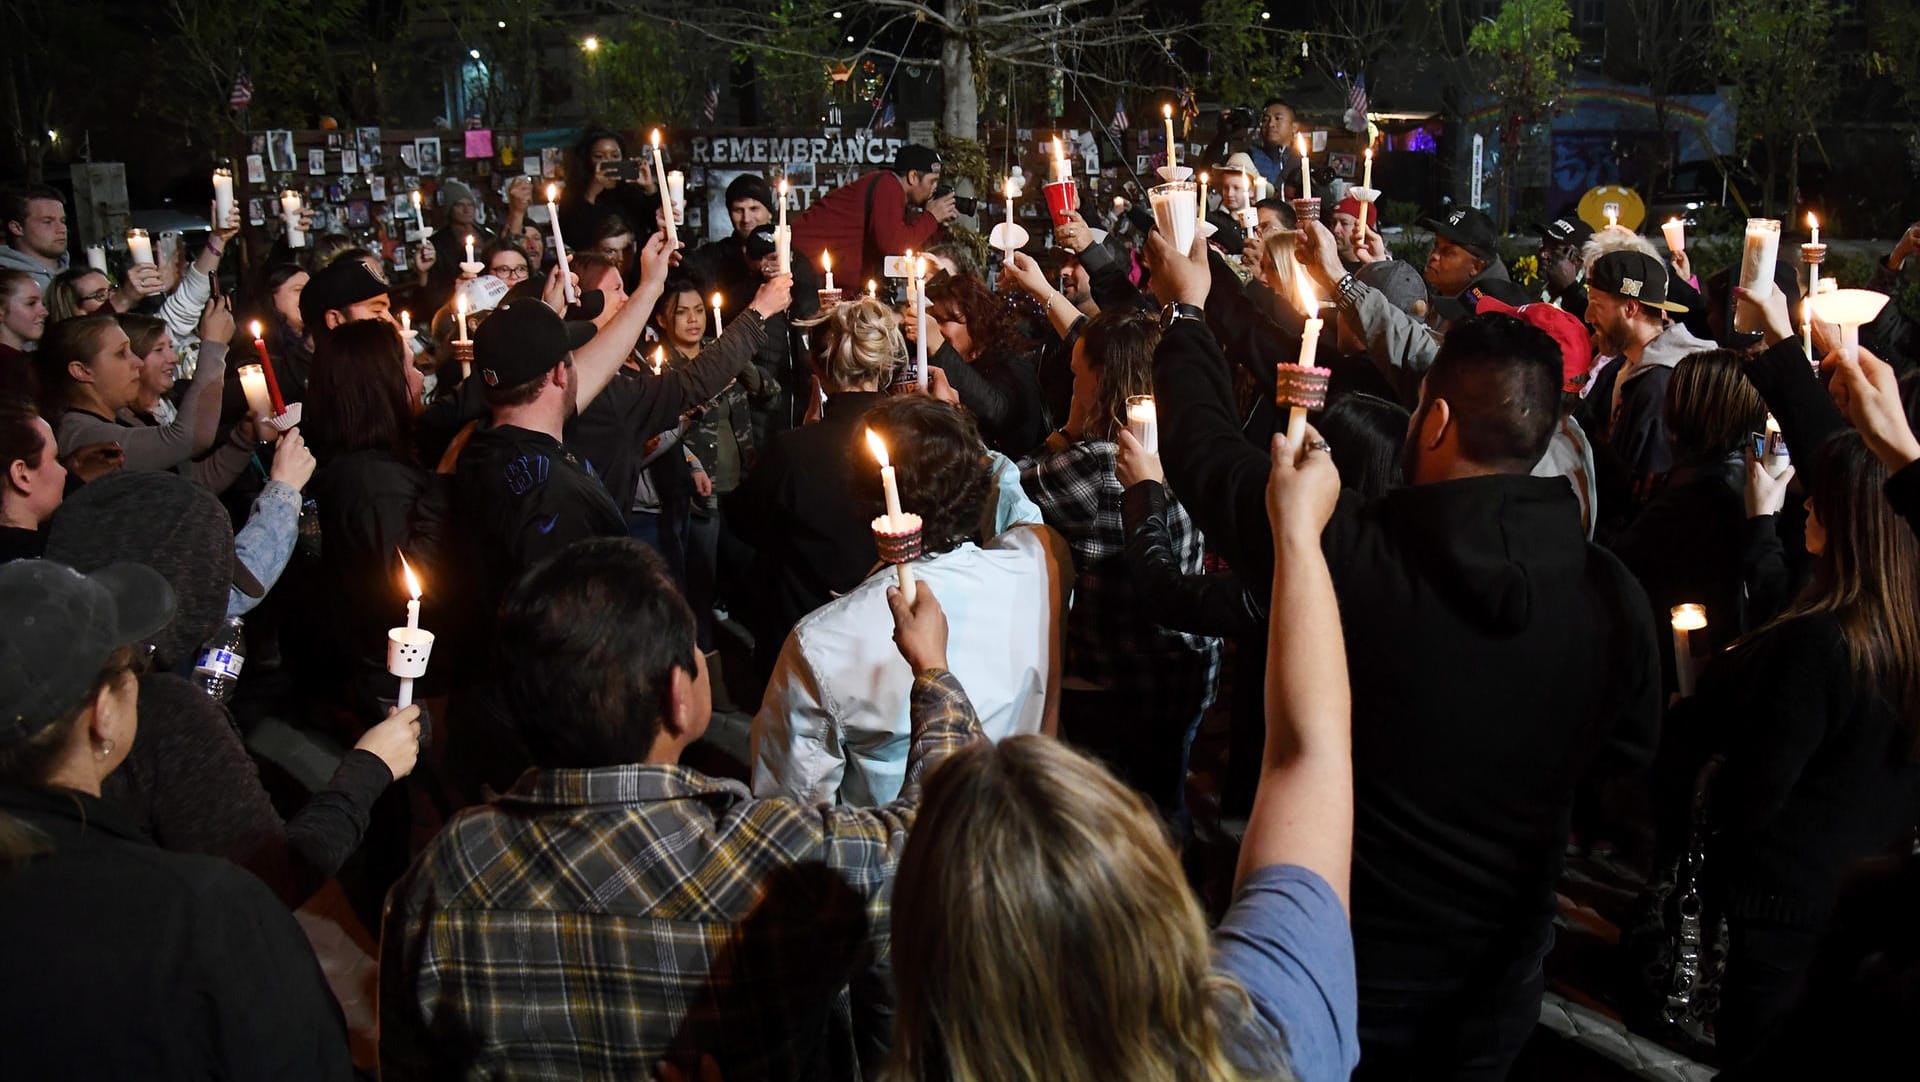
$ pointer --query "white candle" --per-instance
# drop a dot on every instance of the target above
(660, 177)
(413, 626)
(1366, 173)
(290, 205)
(139, 246)
(420, 219)
(1813, 223)
(1010, 227)
(1806, 328)
(1201, 206)
(718, 326)
(677, 192)
(1676, 231)
(896, 519)
(1309, 348)
(253, 385)
(1261, 187)
(1773, 456)
(782, 237)
(920, 317)
(469, 247)
(1306, 169)
(1144, 422)
(222, 197)
(559, 245)
(1061, 170)
(826, 263)
(1172, 160)
(460, 316)
(97, 257)
(406, 323)
(1687, 619)
(1758, 254)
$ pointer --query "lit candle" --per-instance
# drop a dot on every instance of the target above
(408, 648)
(718, 326)
(1167, 112)
(920, 317)
(1806, 327)
(1309, 348)
(1143, 422)
(897, 521)
(97, 257)
(1687, 619)
(222, 197)
(1813, 253)
(290, 205)
(278, 403)
(139, 246)
(559, 246)
(1676, 231)
(460, 316)
(420, 220)
(1008, 247)
(1061, 170)
(659, 358)
(782, 237)
(1613, 216)
(1201, 211)
(826, 264)
(406, 323)
(1758, 255)
(1366, 173)
(1813, 223)
(1306, 169)
(469, 247)
(253, 384)
(660, 177)
(873, 290)
(1260, 188)
(677, 192)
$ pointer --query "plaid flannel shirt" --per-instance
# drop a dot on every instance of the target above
(590, 923)
(1110, 643)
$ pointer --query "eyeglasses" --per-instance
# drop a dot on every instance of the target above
(508, 274)
(617, 255)
(98, 296)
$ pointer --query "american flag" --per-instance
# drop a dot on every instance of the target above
(242, 93)
(1356, 118)
(711, 104)
(884, 119)
(1119, 113)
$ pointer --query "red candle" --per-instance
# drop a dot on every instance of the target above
(266, 365)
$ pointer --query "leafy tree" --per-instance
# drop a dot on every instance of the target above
(1525, 55)
(1769, 50)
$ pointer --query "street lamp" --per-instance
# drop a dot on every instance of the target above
(591, 44)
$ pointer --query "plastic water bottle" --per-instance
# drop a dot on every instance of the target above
(218, 669)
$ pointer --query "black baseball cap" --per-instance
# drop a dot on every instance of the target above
(59, 628)
(914, 158)
(523, 340)
(1636, 276)
(1470, 229)
(1568, 230)
(346, 281)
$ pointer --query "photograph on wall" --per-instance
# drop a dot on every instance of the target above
(317, 162)
(256, 169)
(552, 161)
(256, 211)
(377, 189)
(426, 151)
(367, 145)
(349, 161)
(409, 157)
(257, 144)
(280, 151)
(359, 214)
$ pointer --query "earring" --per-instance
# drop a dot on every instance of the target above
(105, 749)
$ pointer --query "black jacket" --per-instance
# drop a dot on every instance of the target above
(812, 539)
(125, 961)
(1493, 653)
(1003, 393)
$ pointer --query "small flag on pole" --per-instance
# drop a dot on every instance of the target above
(1356, 118)
(242, 94)
(1119, 112)
(711, 104)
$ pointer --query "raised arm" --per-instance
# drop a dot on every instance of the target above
(1303, 811)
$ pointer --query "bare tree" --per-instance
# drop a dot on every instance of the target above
(1672, 42)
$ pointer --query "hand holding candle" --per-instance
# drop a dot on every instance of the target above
(660, 176)
(1676, 233)
(278, 404)
(222, 197)
(1689, 645)
(290, 207)
(1144, 422)
(140, 246)
(559, 245)
(782, 237)
(1302, 386)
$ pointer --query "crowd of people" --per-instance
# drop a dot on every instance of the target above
(959, 839)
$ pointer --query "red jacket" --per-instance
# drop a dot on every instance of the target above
(838, 223)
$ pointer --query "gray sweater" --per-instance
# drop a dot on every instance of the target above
(174, 446)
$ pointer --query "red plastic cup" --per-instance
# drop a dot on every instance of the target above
(1063, 198)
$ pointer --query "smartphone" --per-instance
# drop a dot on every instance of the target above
(624, 169)
(1769, 443)
(166, 248)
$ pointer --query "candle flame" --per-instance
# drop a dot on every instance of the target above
(1057, 152)
(878, 448)
(551, 191)
(1300, 143)
(716, 302)
(659, 358)
(826, 261)
(873, 288)
(1009, 187)
(255, 327)
(783, 187)
(1812, 222)
(1166, 111)
(1689, 617)
(656, 137)
(413, 581)
(1369, 153)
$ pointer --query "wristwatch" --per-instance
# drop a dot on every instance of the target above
(1177, 310)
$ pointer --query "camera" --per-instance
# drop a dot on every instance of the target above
(964, 204)
(623, 169)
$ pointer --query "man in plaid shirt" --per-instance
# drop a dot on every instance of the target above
(615, 909)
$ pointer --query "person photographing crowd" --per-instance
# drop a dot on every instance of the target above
(887, 212)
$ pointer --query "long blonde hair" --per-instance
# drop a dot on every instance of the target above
(1043, 929)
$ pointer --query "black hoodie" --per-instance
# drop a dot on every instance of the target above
(1492, 651)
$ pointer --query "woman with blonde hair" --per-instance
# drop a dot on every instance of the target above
(1042, 927)
(797, 507)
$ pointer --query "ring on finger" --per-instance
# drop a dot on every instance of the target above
(1320, 445)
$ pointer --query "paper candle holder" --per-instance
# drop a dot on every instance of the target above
(472, 270)
(1364, 195)
(408, 649)
(902, 546)
(1813, 254)
(1175, 211)
(829, 298)
(1174, 174)
(1008, 237)
(1302, 386)
(1306, 210)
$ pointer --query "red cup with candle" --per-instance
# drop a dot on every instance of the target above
(1063, 198)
